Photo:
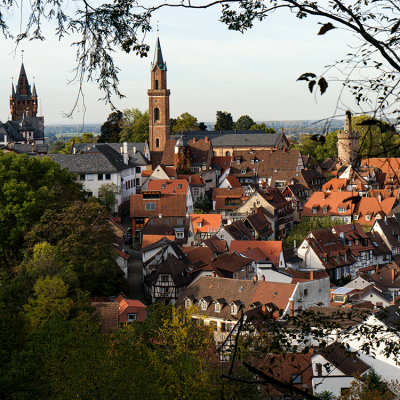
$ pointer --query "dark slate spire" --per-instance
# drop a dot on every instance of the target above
(34, 94)
(12, 90)
(23, 90)
(158, 58)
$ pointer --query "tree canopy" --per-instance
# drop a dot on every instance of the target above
(224, 121)
(135, 126)
(244, 123)
(262, 127)
(185, 122)
(110, 131)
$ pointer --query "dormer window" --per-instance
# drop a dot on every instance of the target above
(217, 307)
(324, 210)
(252, 162)
(203, 305)
(256, 161)
(355, 217)
(234, 309)
(180, 235)
(368, 217)
(243, 171)
(188, 303)
(179, 186)
(342, 209)
(237, 162)
(199, 224)
(314, 210)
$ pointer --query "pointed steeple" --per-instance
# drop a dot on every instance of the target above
(158, 58)
(12, 89)
(34, 94)
(23, 89)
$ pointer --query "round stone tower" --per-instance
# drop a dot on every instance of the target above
(348, 143)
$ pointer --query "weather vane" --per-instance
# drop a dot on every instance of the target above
(22, 55)
(157, 26)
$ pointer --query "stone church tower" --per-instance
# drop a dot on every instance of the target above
(159, 129)
(23, 101)
(348, 143)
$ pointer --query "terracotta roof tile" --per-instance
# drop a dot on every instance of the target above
(234, 192)
(201, 255)
(216, 244)
(209, 222)
(109, 315)
(174, 204)
(271, 249)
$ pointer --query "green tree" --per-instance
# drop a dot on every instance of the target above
(262, 127)
(29, 186)
(328, 149)
(135, 126)
(305, 226)
(186, 122)
(108, 193)
(224, 121)
(57, 146)
(202, 126)
(50, 299)
(244, 123)
(325, 395)
(84, 138)
(172, 124)
(202, 203)
(110, 131)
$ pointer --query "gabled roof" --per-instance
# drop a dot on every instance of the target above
(109, 315)
(140, 147)
(348, 364)
(311, 179)
(167, 225)
(174, 204)
(238, 230)
(198, 255)
(216, 244)
(208, 222)
(388, 275)
(221, 163)
(169, 186)
(271, 249)
(380, 247)
(227, 192)
(233, 181)
(229, 289)
(148, 241)
(174, 267)
(226, 264)
(335, 185)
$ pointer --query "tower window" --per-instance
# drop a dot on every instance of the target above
(157, 142)
(227, 154)
(157, 84)
(156, 114)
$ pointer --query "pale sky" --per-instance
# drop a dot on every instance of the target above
(209, 69)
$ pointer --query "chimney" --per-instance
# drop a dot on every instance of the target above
(74, 150)
(254, 278)
(125, 149)
(206, 139)
(376, 268)
(134, 150)
(213, 274)
(311, 275)
(312, 351)
(393, 273)
(379, 197)
(194, 140)
(263, 278)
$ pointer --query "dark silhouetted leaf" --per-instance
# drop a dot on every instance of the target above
(311, 85)
(325, 28)
(306, 76)
(353, 199)
(395, 27)
(323, 84)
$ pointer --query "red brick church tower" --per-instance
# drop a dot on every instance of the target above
(23, 101)
(159, 130)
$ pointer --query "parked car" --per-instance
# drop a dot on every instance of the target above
(128, 239)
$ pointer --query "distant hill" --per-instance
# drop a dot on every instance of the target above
(52, 130)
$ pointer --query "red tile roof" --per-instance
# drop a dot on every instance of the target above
(109, 315)
(227, 192)
(335, 184)
(201, 255)
(150, 239)
(209, 222)
(270, 250)
(169, 186)
(175, 205)
(233, 181)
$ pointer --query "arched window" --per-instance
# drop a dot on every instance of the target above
(157, 84)
(228, 154)
(156, 114)
(157, 142)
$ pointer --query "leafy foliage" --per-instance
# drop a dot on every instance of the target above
(202, 203)
(244, 123)
(305, 226)
(262, 127)
(29, 187)
(185, 122)
(108, 193)
(224, 121)
(110, 131)
(135, 126)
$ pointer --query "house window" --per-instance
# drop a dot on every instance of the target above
(243, 171)
(138, 170)
(157, 84)
(342, 209)
(132, 317)
(368, 217)
(196, 192)
(258, 203)
(305, 292)
(319, 369)
(108, 177)
(234, 309)
(89, 177)
(180, 235)
(237, 162)
(296, 378)
(179, 186)
(167, 222)
(203, 305)
(355, 217)
(164, 208)
(150, 206)
(137, 181)
(217, 307)
(180, 221)
(82, 177)
(228, 154)
(188, 303)
(199, 224)
(157, 142)
(99, 177)
(222, 237)
(314, 210)
(252, 162)
(324, 210)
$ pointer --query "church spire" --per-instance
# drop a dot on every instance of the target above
(34, 94)
(158, 58)
(12, 88)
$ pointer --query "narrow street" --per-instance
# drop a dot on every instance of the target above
(134, 267)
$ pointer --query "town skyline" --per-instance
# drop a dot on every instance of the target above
(204, 74)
